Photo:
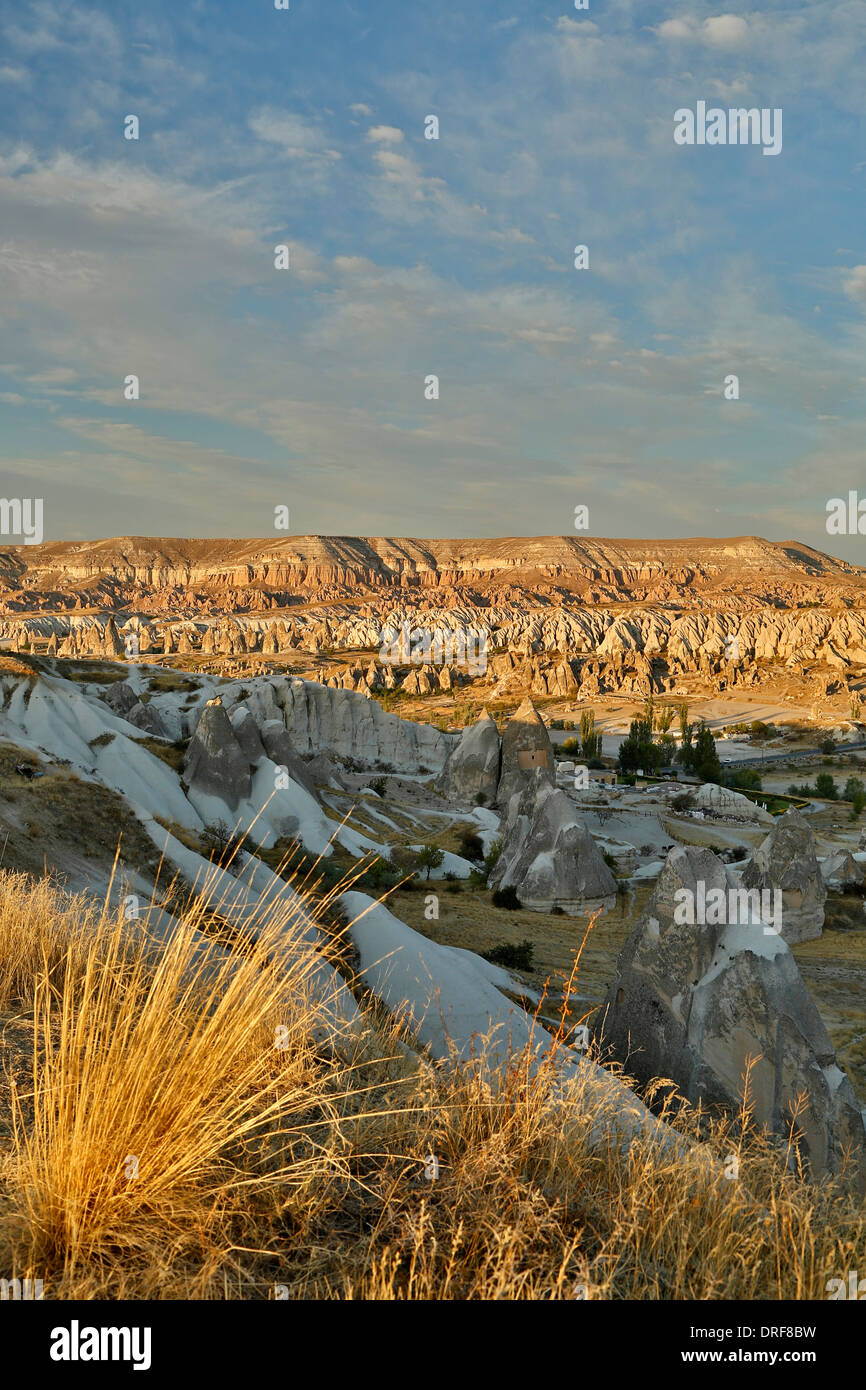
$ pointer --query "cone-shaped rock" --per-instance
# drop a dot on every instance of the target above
(705, 992)
(525, 746)
(472, 766)
(786, 860)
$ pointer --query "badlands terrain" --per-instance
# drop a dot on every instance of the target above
(772, 626)
(266, 722)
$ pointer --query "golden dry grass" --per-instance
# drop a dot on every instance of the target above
(162, 1146)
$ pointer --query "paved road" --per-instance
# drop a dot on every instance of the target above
(803, 755)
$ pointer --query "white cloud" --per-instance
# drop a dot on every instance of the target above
(66, 27)
(717, 31)
(297, 137)
(729, 91)
(725, 31)
(385, 135)
(676, 29)
(855, 284)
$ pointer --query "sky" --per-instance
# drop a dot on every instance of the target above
(262, 388)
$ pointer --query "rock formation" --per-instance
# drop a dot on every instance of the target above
(706, 1004)
(786, 860)
(281, 750)
(841, 869)
(346, 724)
(215, 763)
(526, 747)
(548, 856)
(472, 767)
(730, 805)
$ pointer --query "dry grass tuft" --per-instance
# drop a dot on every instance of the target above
(163, 1146)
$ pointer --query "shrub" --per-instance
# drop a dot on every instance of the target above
(219, 843)
(102, 740)
(379, 786)
(430, 857)
(513, 957)
(507, 898)
(492, 856)
(471, 846)
(480, 799)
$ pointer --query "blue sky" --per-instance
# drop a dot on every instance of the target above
(411, 257)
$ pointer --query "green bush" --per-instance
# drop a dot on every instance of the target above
(471, 846)
(492, 855)
(507, 898)
(825, 786)
(513, 957)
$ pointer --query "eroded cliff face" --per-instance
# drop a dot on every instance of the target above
(561, 615)
(642, 571)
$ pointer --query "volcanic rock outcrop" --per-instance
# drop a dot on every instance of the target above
(215, 763)
(548, 856)
(841, 870)
(708, 1005)
(786, 860)
(526, 747)
(730, 805)
(346, 724)
(472, 767)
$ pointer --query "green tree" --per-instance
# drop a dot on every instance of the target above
(667, 746)
(826, 787)
(682, 710)
(664, 719)
(638, 750)
(706, 760)
(686, 753)
(744, 779)
(430, 857)
(590, 741)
